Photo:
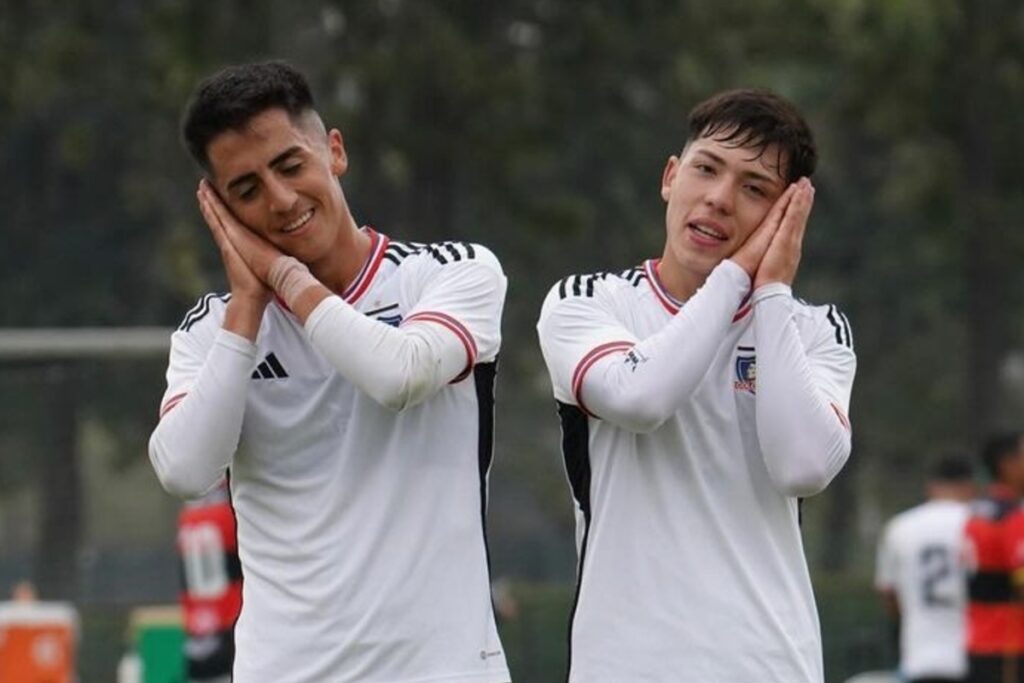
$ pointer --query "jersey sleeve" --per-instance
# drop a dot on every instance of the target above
(202, 408)
(575, 332)
(803, 391)
(453, 323)
(597, 364)
(465, 297)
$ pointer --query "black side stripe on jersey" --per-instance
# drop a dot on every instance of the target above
(483, 377)
(846, 327)
(840, 327)
(576, 455)
(200, 311)
(990, 587)
(241, 571)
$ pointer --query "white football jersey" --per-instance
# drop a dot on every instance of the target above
(691, 564)
(921, 557)
(361, 529)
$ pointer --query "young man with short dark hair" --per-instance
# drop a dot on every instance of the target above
(699, 402)
(346, 386)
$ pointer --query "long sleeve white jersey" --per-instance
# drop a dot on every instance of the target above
(922, 559)
(360, 496)
(689, 432)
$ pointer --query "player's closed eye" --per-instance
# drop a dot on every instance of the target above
(756, 190)
(706, 169)
(291, 169)
(246, 193)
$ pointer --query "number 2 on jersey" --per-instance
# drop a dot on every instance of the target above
(938, 576)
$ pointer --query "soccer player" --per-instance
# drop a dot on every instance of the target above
(346, 383)
(921, 576)
(211, 594)
(699, 402)
(995, 538)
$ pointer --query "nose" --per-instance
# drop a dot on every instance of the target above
(281, 196)
(719, 195)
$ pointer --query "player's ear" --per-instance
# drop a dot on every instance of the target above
(668, 176)
(336, 149)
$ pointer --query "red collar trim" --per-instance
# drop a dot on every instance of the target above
(378, 244)
(671, 304)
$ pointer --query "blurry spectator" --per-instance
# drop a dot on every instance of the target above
(995, 534)
(211, 585)
(921, 576)
(24, 591)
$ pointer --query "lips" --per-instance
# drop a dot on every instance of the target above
(298, 222)
(705, 230)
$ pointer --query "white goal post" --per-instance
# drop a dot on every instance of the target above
(79, 343)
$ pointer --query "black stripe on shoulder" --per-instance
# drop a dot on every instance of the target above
(840, 326)
(399, 251)
(634, 275)
(450, 251)
(579, 285)
(200, 310)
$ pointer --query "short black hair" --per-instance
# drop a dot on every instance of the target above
(951, 469)
(757, 118)
(997, 448)
(228, 99)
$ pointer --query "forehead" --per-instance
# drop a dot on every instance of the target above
(254, 145)
(767, 160)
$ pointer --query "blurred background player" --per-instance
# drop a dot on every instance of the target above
(699, 402)
(995, 538)
(211, 595)
(921, 576)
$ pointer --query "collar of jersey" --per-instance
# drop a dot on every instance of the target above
(355, 291)
(672, 304)
(378, 244)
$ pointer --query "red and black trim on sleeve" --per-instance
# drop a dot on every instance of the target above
(587, 362)
(458, 329)
(171, 403)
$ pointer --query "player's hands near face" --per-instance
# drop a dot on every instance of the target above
(257, 253)
(752, 252)
(245, 285)
(781, 261)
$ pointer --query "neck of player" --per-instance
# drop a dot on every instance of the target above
(680, 282)
(338, 269)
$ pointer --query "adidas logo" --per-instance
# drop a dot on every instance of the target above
(270, 368)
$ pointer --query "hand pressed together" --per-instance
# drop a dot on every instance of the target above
(772, 252)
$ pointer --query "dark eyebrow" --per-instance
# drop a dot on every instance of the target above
(749, 174)
(294, 149)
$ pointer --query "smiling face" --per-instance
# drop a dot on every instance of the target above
(717, 194)
(279, 177)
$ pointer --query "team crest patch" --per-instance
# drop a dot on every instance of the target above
(393, 320)
(746, 371)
